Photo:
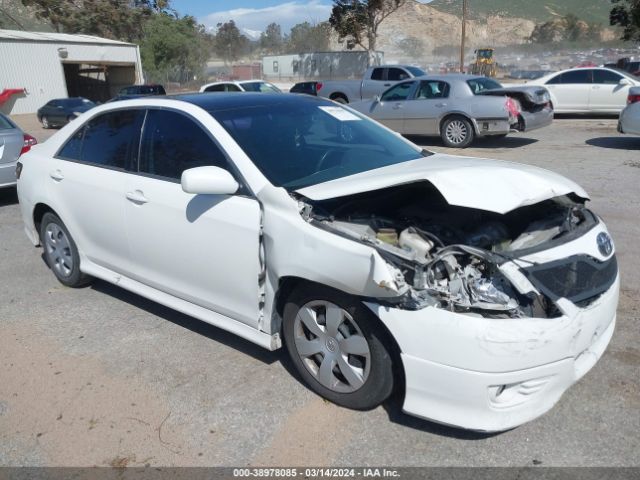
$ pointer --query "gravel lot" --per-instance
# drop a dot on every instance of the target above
(99, 376)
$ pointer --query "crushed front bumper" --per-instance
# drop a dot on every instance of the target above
(495, 374)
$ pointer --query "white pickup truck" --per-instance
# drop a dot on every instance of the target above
(374, 82)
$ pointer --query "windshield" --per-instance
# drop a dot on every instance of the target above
(480, 84)
(304, 143)
(260, 87)
(416, 72)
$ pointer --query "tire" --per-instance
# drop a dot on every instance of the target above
(45, 122)
(340, 99)
(457, 132)
(60, 252)
(356, 375)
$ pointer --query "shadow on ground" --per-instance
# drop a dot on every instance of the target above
(8, 196)
(190, 323)
(617, 143)
(505, 142)
(393, 406)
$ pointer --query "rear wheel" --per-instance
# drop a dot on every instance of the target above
(340, 99)
(45, 122)
(338, 347)
(60, 252)
(457, 132)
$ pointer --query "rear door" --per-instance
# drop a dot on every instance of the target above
(376, 84)
(87, 179)
(422, 112)
(606, 92)
(11, 141)
(200, 248)
(391, 109)
(571, 90)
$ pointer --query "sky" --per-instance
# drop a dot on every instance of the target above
(252, 16)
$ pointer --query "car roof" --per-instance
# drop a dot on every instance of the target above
(461, 77)
(227, 101)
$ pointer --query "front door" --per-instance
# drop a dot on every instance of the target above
(390, 110)
(425, 108)
(607, 94)
(201, 248)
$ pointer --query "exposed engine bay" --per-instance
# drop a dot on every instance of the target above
(448, 256)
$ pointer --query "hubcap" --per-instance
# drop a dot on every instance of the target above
(58, 249)
(45, 122)
(332, 346)
(456, 131)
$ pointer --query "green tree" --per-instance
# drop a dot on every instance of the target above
(357, 21)
(626, 14)
(271, 39)
(305, 37)
(229, 42)
(173, 49)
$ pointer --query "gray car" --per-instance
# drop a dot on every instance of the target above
(459, 108)
(13, 143)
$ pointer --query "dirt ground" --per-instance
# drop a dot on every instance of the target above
(100, 376)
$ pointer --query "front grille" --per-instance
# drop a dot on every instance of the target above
(579, 278)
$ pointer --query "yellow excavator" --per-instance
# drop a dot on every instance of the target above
(485, 63)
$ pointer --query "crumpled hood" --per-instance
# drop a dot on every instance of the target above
(492, 185)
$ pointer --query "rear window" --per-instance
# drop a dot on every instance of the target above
(481, 84)
(416, 72)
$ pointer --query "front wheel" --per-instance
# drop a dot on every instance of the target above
(45, 122)
(338, 347)
(60, 252)
(457, 132)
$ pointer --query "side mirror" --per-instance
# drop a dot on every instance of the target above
(624, 81)
(376, 99)
(208, 181)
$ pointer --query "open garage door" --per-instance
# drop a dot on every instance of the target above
(97, 82)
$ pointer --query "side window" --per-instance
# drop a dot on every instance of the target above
(233, 88)
(215, 88)
(578, 76)
(555, 80)
(607, 77)
(377, 74)
(432, 89)
(72, 150)
(398, 92)
(111, 139)
(396, 74)
(173, 143)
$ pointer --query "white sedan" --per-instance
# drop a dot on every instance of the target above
(240, 86)
(629, 121)
(588, 90)
(484, 289)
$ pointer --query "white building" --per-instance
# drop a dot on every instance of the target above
(319, 65)
(57, 65)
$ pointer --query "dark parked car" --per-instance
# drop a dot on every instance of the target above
(60, 111)
(137, 91)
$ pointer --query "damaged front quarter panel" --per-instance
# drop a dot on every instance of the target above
(454, 258)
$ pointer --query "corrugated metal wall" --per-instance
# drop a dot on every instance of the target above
(318, 65)
(37, 66)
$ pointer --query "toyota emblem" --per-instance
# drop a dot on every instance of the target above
(605, 244)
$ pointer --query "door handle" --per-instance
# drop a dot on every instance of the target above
(440, 105)
(596, 87)
(137, 197)
(56, 175)
(387, 84)
(397, 106)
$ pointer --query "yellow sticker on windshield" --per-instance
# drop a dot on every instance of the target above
(340, 113)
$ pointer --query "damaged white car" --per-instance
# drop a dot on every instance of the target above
(484, 289)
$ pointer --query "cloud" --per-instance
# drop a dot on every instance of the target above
(286, 15)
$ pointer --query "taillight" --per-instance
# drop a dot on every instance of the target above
(29, 142)
(512, 107)
(318, 86)
(633, 99)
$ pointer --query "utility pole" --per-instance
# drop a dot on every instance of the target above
(464, 34)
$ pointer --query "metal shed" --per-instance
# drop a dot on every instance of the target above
(58, 65)
(315, 65)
